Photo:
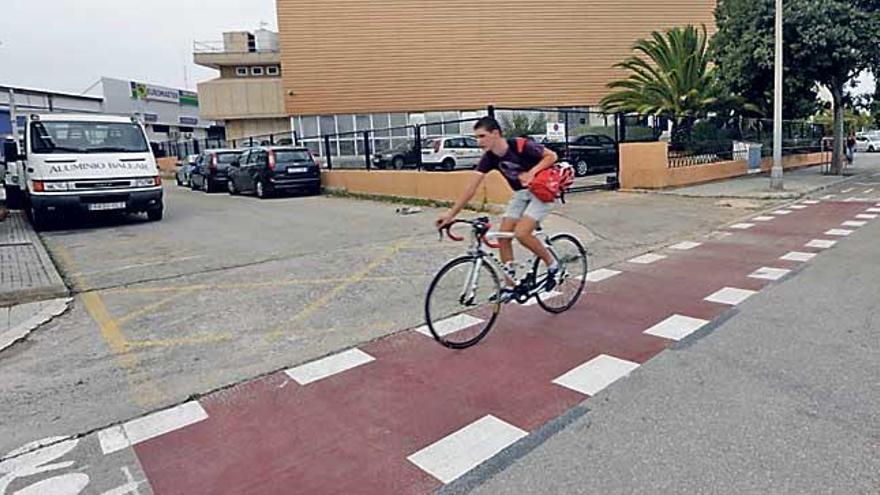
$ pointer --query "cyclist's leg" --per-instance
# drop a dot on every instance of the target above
(515, 209)
(537, 211)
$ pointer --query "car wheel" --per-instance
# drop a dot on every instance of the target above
(192, 184)
(208, 187)
(261, 190)
(230, 187)
(398, 163)
(179, 182)
(315, 190)
(449, 164)
(156, 214)
(870, 149)
(581, 168)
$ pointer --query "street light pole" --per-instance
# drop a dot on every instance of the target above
(776, 171)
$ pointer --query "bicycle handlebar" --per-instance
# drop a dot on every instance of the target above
(480, 227)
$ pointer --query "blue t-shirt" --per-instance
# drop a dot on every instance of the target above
(512, 163)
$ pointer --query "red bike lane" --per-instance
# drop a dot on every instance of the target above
(404, 414)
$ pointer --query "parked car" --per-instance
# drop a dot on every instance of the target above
(450, 152)
(184, 170)
(404, 155)
(868, 143)
(211, 169)
(270, 170)
(588, 154)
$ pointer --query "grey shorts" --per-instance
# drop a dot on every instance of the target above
(525, 203)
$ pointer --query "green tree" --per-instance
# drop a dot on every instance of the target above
(826, 42)
(523, 124)
(743, 51)
(670, 76)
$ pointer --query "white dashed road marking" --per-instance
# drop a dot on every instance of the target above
(676, 327)
(798, 256)
(154, 425)
(452, 456)
(768, 273)
(730, 295)
(596, 374)
(329, 366)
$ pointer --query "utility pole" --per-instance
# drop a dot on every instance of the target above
(776, 171)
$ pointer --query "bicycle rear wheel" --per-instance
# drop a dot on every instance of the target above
(463, 302)
(572, 277)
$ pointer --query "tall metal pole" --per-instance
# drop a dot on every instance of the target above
(776, 171)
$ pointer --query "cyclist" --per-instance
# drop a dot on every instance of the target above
(524, 211)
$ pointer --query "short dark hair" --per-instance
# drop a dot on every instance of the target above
(488, 124)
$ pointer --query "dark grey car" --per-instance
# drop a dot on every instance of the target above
(211, 170)
(269, 170)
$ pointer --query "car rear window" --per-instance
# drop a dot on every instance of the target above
(292, 156)
(227, 157)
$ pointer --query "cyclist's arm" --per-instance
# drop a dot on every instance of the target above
(547, 161)
(470, 190)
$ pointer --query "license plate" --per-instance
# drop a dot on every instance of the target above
(297, 170)
(106, 206)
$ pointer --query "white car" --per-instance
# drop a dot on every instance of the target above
(868, 143)
(450, 152)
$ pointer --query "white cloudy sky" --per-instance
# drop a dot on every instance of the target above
(69, 44)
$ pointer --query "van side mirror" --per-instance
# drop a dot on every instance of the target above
(10, 151)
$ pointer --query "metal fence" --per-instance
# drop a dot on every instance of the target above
(713, 140)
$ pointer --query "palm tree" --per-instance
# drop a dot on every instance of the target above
(671, 77)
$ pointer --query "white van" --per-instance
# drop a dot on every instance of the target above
(85, 163)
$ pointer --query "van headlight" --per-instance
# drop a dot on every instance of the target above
(56, 186)
(149, 182)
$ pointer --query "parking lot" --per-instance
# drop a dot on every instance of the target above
(227, 288)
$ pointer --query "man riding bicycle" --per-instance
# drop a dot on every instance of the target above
(524, 210)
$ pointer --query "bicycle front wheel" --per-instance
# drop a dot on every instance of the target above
(463, 302)
(572, 259)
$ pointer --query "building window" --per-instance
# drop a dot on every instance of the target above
(272, 70)
(241, 71)
(256, 71)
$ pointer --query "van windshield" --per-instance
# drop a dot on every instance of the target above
(87, 137)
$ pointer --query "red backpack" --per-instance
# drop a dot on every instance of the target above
(550, 183)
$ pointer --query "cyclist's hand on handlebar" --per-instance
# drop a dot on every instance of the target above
(443, 221)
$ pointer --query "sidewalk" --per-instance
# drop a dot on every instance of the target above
(797, 183)
(31, 290)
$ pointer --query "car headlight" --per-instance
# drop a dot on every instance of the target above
(56, 186)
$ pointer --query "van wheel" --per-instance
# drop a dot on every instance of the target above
(156, 214)
(37, 218)
(13, 198)
(449, 164)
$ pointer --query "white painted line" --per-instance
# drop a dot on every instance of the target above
(329, 366)
(151, 426)
(676, 327)
(452, 456)
(742, 226)
(849, 189)
(596, 374)
(730, 295)
(854, 223)
(113, 439)
(781, 212)
(810, 202)
(873, 210)
(857, 200)
(798, 256)
(721, 234)
(768, 273)
(685, 246)
(797, 207)
(544, 296)
(450, 325)
(867, 216)
(647, 259)
(764, 219)
(820, 243)
(839, 232)
(869, 191)
(601, 274)
(827, 196)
